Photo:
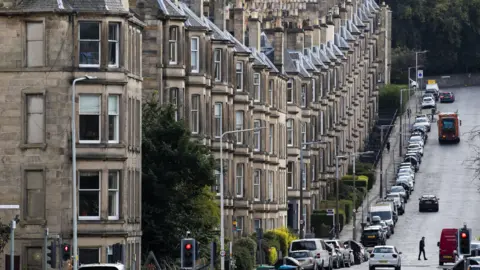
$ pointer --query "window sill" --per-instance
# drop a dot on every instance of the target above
(100, 221)
(25, 146)
(100, 145)
(28, 222)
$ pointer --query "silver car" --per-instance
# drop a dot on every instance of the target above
(305, 257)
(348, 257)
(424, 121)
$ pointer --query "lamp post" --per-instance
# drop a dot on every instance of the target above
(337, 197)
(416, 65)
(381, 159)
(401, 125)
(354, 155)
(409, 87)
(74, 170)
(302, 180)
(222, 198)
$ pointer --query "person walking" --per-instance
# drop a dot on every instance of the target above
(388, 146)
(409, 112)
(422, 248)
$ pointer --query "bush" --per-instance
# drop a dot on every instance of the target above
(270, 241)
(389, 98)
(361, 180)
(243, 258)
(364, 169)
(348, 209)
(322, 223)
(285, 237)
(248, 244)
(272, 256)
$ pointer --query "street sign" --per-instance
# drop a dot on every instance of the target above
(222, 253)
(420, 74)
(330, 212)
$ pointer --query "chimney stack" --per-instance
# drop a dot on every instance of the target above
(296, 37)
(254, 31)
(220, 18)
(196, 6)
(316, 33)
(278, 44)
(308, 30)
(239, 22)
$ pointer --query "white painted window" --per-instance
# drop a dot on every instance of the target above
(217, 65)
(304, 213)
(304, 135)
(113, 195)
(322, 117)
(113, 44)
(239, 120)
(270, 185)
(194, 55)
(256, 87)
(290, 175)
(256, 184)
(313, 128)
(239, 179)
(271, 134)
(35, 44)
(304, 176)
(239, 75)
(218, 119)
(89, 44)
(290, 132)
(89, 195)
(257, 135)
(303, 96)
(290, 91)
(89, 118)
(113, 118)
(314, 87)
(173, 45)
(270, 92)
(194, 114)
(313, 165)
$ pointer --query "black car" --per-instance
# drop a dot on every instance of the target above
(373, 236)
(428, 203)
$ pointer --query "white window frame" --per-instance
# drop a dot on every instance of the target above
(314, 87)
(99, 190)
(218, 114)
(195, 68)
(257, 135)
(290, 92)
(290, 132)
(270, 186)
(313, 164)
(257, 221)
(271, 131)
(217, 61)
(321, 122)
(271, 84)
(303, 96)
(256, 87)
(257, 178)
(194, 114)
(91, 40)
(99, 117)
(239, 179)
(290, 174)
(304, 176)
(239, 73)
(313, 129)
(173, 45)
(116, 114)
(117, 195)
(117, 44)
(304, 135)
(239, 125)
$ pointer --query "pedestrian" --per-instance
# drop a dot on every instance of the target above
(388, 146)
(409, 112)
(422, 248)
(433, 113)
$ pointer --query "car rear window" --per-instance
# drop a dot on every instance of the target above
(370, 233)
(99, 267)
(383, 250)
(299, 255)
(303, 245)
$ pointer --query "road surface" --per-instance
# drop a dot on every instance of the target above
(444, 172)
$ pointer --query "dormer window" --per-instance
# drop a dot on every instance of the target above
(173, 45)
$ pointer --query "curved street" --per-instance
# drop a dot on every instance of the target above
(444, 172)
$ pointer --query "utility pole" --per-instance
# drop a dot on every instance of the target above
(402, 111)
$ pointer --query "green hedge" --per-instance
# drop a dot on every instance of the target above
(390, 97)
(244, 251)
(361, 180)
(322, 223)
(364, 169)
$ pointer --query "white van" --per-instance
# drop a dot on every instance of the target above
(385, 212)
(102, 266)
(317, 246)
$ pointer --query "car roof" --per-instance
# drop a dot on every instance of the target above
(429, 196)
(384, 246)
(395, 186)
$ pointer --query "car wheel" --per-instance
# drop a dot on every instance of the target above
(436, 210)
(440, 263)
(398, 268)
(371, 268)
(330, 265)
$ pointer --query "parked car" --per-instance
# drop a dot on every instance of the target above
(428, 203)
(423, 121)
(428, 103)
(347, 254)
(373, 236)
(337, 258)
(359, 251)
(317, 246)
(447, 97)
(385, 256)
(306, 258)
(415, 147)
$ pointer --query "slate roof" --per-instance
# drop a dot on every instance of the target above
(67, 5)
(321, 55)
(239, 47)
(170, 9)
(192, 19)
(217, 34)
(338, 53)
(352, 28)
(298, 63)
(345, 34)
(313, 55)
(357, 21)
(258, 59)
(328, 52)
(340, 42)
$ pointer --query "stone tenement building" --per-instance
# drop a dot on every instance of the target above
(45, 44)
(302, 70)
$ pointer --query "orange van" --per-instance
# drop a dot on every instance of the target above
(447, 246)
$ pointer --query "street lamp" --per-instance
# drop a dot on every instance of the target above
(401, 115)
(381, 158)
(74, 169)
(354, 155)
(337, 197)
(222, 198)
(416, 65)
(302, 180)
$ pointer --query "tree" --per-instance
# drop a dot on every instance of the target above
(177, 175)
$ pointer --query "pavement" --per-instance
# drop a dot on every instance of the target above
(444, 172)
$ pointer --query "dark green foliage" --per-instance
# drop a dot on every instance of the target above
(448, 29)
(389, 99)
(177, 175)
(243, 258)
(365, 169)
(322, 223)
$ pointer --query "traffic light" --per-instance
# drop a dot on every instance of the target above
(188, 253)
(234, 226)
(464, 241)
(66, 253)
(52, 254)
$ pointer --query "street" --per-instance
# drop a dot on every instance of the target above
(444, 173)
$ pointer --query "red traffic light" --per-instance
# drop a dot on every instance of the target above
(188, 246)
(463, 235)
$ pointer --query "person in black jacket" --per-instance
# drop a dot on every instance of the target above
(422, 248)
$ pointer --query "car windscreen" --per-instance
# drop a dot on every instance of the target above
(383, 250)
(299, 254)
(448, 124)
(427, 99)
(416, 139)
(409, 171)
(421, 120)
(303, 245)
(397, 189)
(384, 215)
